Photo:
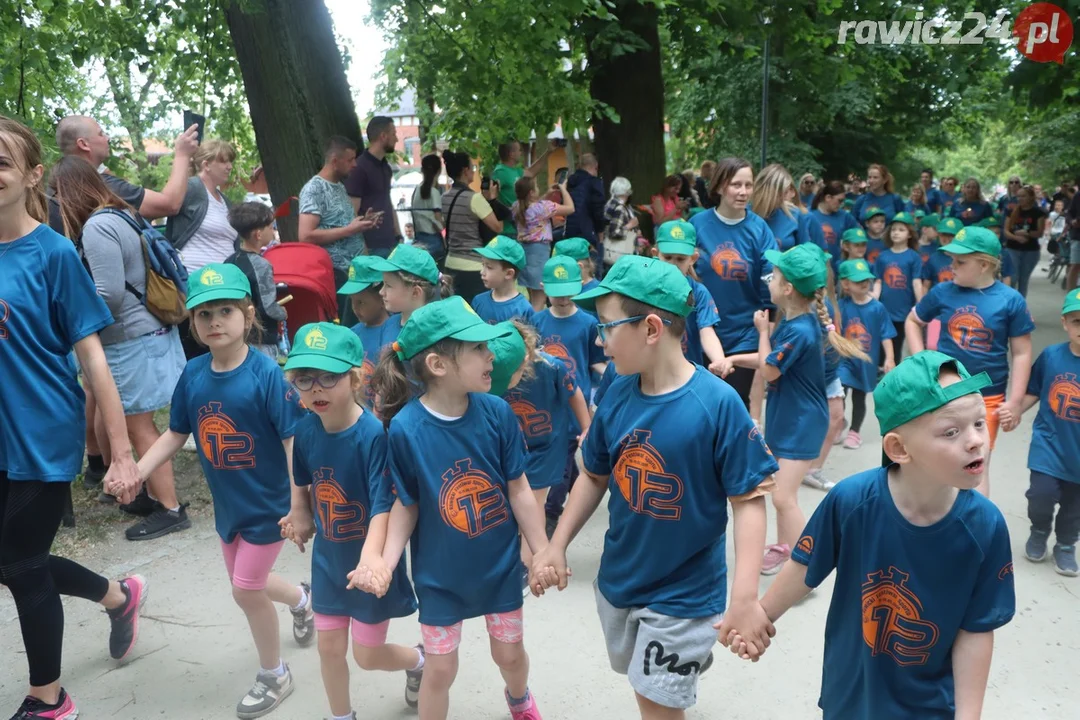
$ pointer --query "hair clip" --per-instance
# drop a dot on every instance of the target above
(396, 347)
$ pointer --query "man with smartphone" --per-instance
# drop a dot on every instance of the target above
(368, 185)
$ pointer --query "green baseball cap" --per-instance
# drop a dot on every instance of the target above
(450, 318)
(914, 389)
(509, 351)
(648, 280)
(849, 203)
(325, 346)
(871, 212)
(856, 271)
(506, 249)
(855, 236)
(903, 217)
(919, 215)
(676, 237)
(950, 226)
(217, 281)
(803, 266)
(973, 239)
(1072, 302)
(931, 220)
(575, 247)
(562, 276)
(989, 222)
(362, 275)
(410, 259)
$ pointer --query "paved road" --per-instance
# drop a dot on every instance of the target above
(195, 657)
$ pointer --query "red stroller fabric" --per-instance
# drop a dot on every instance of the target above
(309, 274)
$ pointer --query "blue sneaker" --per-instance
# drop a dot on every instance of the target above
(1035, 549)
(1065, 560)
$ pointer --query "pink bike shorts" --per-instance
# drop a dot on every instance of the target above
(249, 565)
(363, 634)
(442, 640)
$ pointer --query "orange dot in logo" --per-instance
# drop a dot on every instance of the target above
(961, 322)
(459, 495)
(635, 462)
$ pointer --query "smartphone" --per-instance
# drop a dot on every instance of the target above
(485, 183)
(194, 118)
(560, 175)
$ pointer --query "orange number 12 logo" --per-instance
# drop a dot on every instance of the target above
(5, 312)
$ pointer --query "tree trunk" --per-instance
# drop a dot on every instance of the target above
(632, 84)
(296, 89)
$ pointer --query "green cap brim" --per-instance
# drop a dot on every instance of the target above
(773, 256)
(1073, 306)
(859, 277)
(481, 332)
(314, 361)
(562, 289)
(223, 293)
(675, 248)
(588, 299)
(955, 248)
(967, 386)
(384, 265)
(354, 286)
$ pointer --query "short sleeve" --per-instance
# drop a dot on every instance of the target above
(301, 471)
(740, 456)
(511, 439)
(399, 465)
(547, 210)
(818, 547)
(133, 195)
(790, 344)
(380, 489)
(888, 330)
(704, 308)
(809, 226)
(309, 200)
(479, 206)
(179, 418)
(1020, 320)
(594, 454)
(993, 599)
(565, 383)
(928, 308)
(282, 403)
(76, 307)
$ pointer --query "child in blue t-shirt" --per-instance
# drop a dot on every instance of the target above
(792, 361)
(674, 445)
(410, 280)
(875, 222)
(899, 271)
(983, 324)
(676, 244)
(924, 573)
(1055, 445)
(581, 251)
(340, 453)
(244, 415)
(504, 259)
(865, 322)
(567, 332)
(1008, 269)
(377, 328)
(456, 456)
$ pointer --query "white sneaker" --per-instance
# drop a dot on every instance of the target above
(266, 694)
(189, 444)
(816, 479)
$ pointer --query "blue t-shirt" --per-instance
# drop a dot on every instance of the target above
(868, 325)
(589, 285)
(933, 200)
(605, 382)
(573, 340)
(797, 413)
(496, 311)
(874, 247)
(938, 267)
(1007, 204)
(347, 473)
(48, 302)
(911, 207)
(1055, 437)
(791, 231)
(375, 339)
(976, 326)
(890, 204)
(902, 594)
(465, 548)
(542, 406)
(971, 212)
(673, 461)
(704, 315)
(240, 419)
(833, 228)
(731, 265)
(898, 272)
(947, 201)
(926, 252)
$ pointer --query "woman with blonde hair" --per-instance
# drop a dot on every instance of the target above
(879, 193)
(918, 200)
(774, 192)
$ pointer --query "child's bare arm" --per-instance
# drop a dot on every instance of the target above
(913, 332)
(527, 512)
(744, 615)
(161, 451)
(399, 529)
(971, 654)
(584, 498)
(788, 588)
(372, 574)
(580, 408)
(769, 372)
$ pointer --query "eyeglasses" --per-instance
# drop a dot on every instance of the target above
(325, 380)
(602, 327)
(1014, 182)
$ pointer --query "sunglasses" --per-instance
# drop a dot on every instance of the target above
(602, 328)
(326, 381)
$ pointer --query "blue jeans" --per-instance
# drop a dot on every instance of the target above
(1024, 261)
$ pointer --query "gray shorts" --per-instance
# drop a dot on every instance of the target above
(661, 655)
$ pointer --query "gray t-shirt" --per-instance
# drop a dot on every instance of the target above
(331, 203)
(114, 253)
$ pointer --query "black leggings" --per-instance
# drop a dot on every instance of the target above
(30, 514)
(897, 343)
(858, 408)
(741, 379)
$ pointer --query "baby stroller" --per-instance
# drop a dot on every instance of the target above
(305, 272)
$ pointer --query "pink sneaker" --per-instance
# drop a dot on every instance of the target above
(34, 709)
(775, 557)
(853, 440)
(525, 711)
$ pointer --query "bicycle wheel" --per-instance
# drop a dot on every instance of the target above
(1055, 270)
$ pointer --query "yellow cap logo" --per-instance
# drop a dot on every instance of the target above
(352, 272)
(960, 235)
(493, 242)
(560, 273)
(315, 340)
(1076, 296)
(677, 233)
(467, 306)
(861, 266)
(211, 277)
(394, 252)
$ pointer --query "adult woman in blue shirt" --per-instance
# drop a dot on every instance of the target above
(48, 308)
(879, 192)
(833, 219)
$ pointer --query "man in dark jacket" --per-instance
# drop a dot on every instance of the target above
(587, 190)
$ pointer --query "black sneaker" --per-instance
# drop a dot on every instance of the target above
(34, 709)
(143, 505)
(158, 523)
(91, 479)
(1035, 548)
(412, 683)
(303, 627)
(105, 498)
(125, 619)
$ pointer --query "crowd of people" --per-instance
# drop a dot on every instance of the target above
(490, 382)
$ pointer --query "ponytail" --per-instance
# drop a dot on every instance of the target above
(842, 345)
(532, 347)
(432, 292)
(445, 286)
(395, 381)
(522, 188)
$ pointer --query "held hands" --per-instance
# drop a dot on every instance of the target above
(746, 630)
(549, 570)
(1009, 416)
(298, 526)
(123, 481)
(889, 365)
(722, 367)
(761, 321)
(372, 575)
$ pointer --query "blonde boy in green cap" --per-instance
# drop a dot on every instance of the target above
(924, 573)
(504, 259)
(580, 250)
(674, 444)
(376, 327)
